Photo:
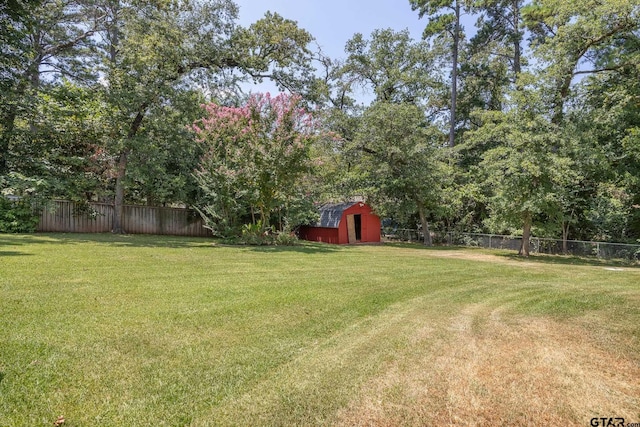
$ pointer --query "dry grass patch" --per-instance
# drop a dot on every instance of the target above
(482, 368)
(468, 255)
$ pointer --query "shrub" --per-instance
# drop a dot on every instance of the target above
(286, 239)
(17, 216)
(257, 235)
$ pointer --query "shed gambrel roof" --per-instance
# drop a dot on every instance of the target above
(331, 213)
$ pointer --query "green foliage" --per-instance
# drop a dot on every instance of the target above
(274, 48)
(254, 163)
(257, 235)
(609, 115)
(97, 97)
(401, 171)
(609, 213)
(39, 37)
(17, 216)
(395, 67)
(571, 38)
(160, 170)
(440, 14)
(156, 54)
(493, 58)
(254, 231)
(63, 146)
(526, 169)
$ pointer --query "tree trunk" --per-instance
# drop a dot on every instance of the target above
(122, 172)
(526, 235)
(30, 77)
(517, 49)
(565, 238)
(425, 226)
(8, 122)
(454, 76)
(562, 93)
(263, 218)
(119, 199)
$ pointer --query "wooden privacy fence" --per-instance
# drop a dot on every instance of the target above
(67, 217)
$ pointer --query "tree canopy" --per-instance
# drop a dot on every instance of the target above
(527, 127)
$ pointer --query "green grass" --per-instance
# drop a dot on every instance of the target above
(151, 331)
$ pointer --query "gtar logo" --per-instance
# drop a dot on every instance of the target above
(607, 422)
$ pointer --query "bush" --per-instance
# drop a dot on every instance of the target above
(253, 234)
(286, 239)
(256, 235)
(17, 216)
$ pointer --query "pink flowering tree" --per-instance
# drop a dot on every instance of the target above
(255, 164)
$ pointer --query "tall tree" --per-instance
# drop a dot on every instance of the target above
(525, 169)
(500, 31)
(274, 48)
(567, 38)
(489, 68)
(493, 58)
(393, 66)
(63, 149)
(254, 159)
(154, 50)
(49, 41)
(402, 173)
(160, 170)
(331, 96)
(607, 114)
(444, 23)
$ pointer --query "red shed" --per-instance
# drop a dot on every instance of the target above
(343, 223)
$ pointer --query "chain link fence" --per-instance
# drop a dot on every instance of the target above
(538, 245)
(547, 246)
(402, 234)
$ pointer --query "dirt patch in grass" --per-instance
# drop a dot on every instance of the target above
(534, 260)
(478, 255)
(485, 369)
(469, 255)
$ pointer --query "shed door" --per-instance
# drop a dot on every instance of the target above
(351, 228)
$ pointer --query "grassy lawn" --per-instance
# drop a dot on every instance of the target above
(163, 331)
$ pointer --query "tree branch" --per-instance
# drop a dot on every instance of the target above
(601, 70)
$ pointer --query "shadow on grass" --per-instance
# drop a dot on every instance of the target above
(313, 247)
(302, 248)
(14, 240)
(154, 241)
(512, 255)
(124, 240)
(416, 245)
(13, 253)
(570, 260)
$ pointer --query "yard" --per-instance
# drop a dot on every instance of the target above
(110, 330)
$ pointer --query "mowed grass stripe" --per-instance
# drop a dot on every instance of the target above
(145, 330)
